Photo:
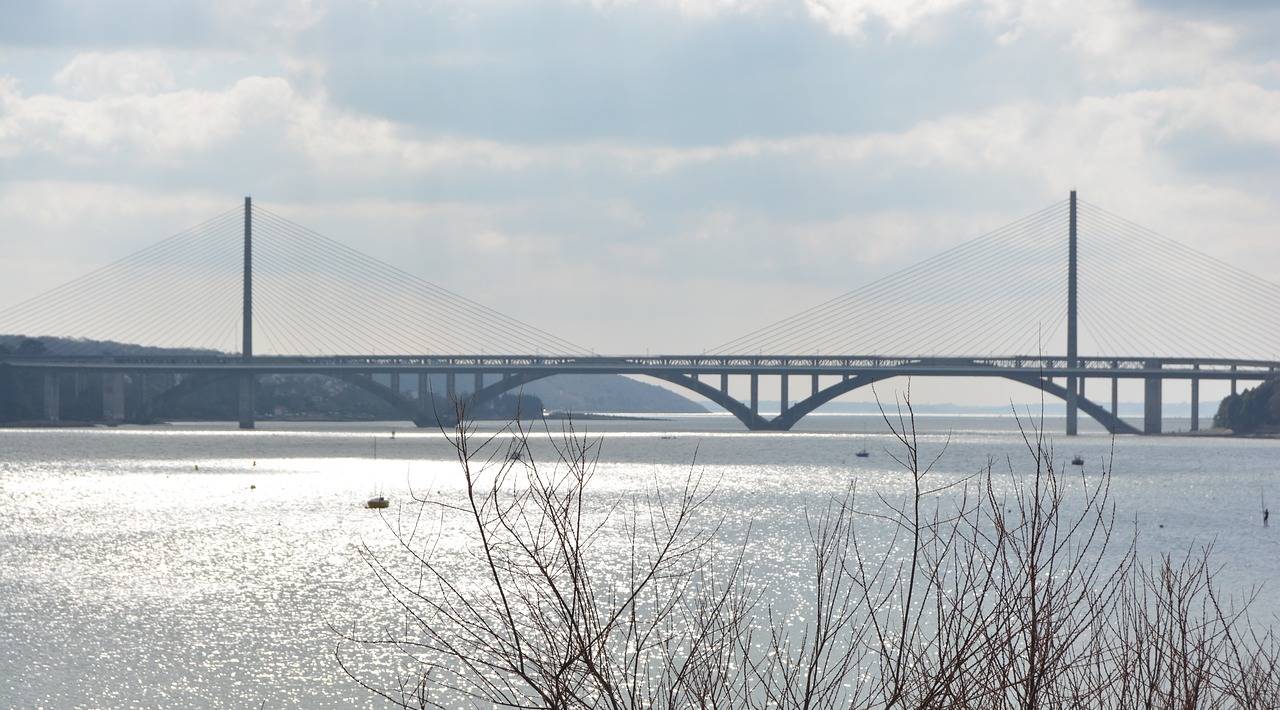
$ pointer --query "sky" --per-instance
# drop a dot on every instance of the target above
(657, 176)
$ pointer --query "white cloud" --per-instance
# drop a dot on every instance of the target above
(851, 17)
(94, 74)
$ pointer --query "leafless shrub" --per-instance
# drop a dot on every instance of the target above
(1009, 588)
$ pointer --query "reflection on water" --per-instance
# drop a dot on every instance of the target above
(128, 577)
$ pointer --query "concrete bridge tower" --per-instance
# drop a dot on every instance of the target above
(247, 379)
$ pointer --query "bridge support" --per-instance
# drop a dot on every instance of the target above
(451, 387)
(783, 399)
(813, 386)
(1153, 409)
(395, 382)
(755, 394)
(1115, 396)
(136, 402)
(246, 400)
(724, 383)
(1195, 403)
(113, 396)
(1073, 360)
(52, 397)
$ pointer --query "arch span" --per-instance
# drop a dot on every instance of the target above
(793, 414)
(752, 420)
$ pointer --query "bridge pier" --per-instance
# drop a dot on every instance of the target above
(724, 383)
(755, 393)
(1153, 409)
(1115, 396)
(782, 395)
(52, 397)
(246, 400)
(1195, 403)
(813, 386)
(136, 401)
(113, 396)
(479, 382)
(395, 382)
(451, 386)
(1233, 382)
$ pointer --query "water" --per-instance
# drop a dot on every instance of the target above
(128, 578)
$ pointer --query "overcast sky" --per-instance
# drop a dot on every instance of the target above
(668, 174)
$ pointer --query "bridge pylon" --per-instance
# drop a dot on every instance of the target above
(248, 382)
(1073, 354)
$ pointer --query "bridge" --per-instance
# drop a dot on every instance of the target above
(1009, 287)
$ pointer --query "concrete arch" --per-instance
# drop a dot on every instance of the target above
(793, 414)
(1100, 414)
(752, 420)
(417, 411)
(412, 410)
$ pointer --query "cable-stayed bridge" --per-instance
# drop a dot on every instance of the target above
(250, 293)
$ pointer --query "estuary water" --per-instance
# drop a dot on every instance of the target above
(200, 566)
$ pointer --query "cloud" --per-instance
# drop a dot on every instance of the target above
(95, 74)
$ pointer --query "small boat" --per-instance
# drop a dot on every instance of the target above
(862, 453)
(377, 502)
(1077, 461)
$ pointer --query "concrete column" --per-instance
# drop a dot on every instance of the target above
(1233, 382)
(52, 397)
(1115, 396)
(1153, 409)
(395, 382)
(813, 386)
(138, 390)
(783, 398)
(479, 382)
(724, 383)
(1195, 403)
(247, 400)
(113, 396)
(424, 388)
(451, 386)
(755, 393)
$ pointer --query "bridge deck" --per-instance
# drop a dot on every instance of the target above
(1026, 366)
